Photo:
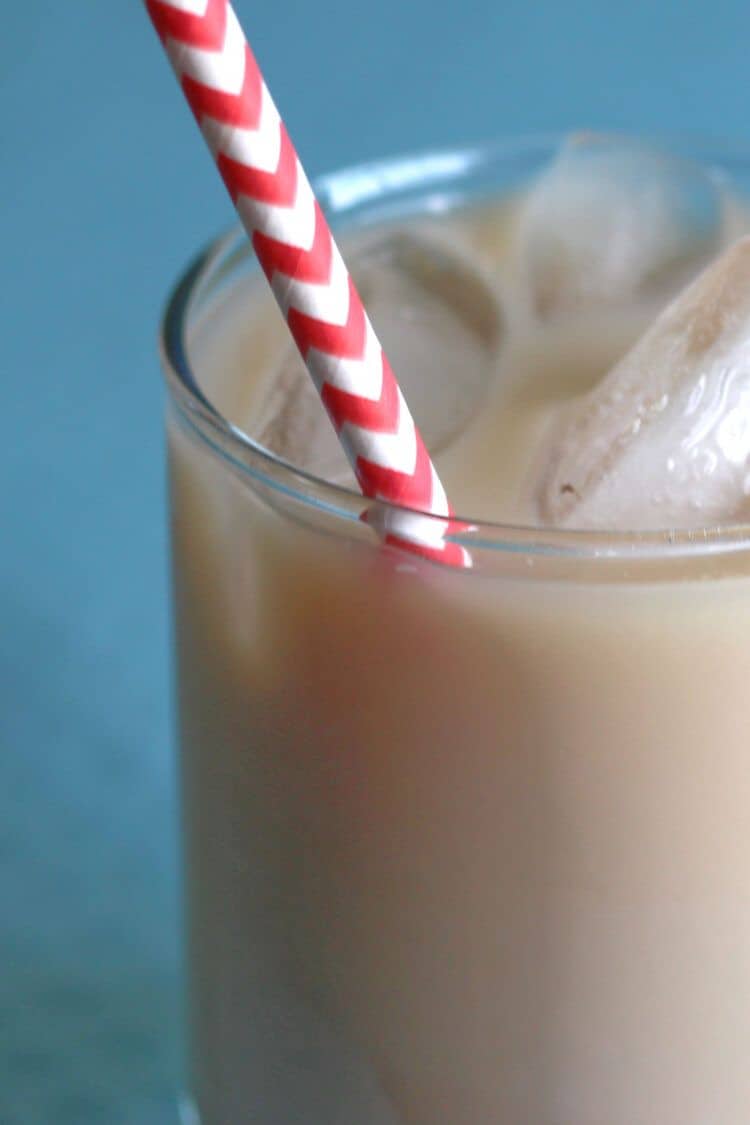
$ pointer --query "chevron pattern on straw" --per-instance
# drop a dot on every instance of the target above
(292, 240)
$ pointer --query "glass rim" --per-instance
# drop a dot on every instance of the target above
(369, 183)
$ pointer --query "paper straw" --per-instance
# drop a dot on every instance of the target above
(294, 245)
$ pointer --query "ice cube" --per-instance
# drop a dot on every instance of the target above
(439, 321)
(664, 440)
(615, 218)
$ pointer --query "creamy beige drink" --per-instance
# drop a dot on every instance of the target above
(461, 847)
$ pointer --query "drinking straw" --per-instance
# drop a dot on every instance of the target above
(312, 286)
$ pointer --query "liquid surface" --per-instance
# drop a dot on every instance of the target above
(491, 423)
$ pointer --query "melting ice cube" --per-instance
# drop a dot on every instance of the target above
(440, 324)
(664, 440)
(614, 218)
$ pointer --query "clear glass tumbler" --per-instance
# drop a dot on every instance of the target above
(461, 847)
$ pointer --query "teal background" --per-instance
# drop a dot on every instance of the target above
(105, 191)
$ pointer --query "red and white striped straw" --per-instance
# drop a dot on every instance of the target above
(291, 238)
